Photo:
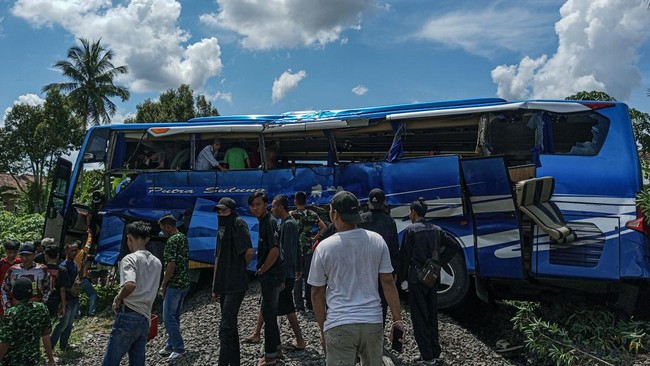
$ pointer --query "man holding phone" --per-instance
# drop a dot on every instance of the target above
(344, 275)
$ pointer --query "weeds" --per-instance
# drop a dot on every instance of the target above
(579, 334)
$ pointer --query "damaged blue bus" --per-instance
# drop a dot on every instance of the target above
(540, 195)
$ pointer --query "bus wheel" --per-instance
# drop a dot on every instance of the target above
(455, 285)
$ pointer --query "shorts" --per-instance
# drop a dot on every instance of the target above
(285, 301)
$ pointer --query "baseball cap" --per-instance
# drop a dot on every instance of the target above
(22, 289)
(225, 202)
(376, 199)
(26, 248)
(419, 207)
(97, 197)
(347, 205)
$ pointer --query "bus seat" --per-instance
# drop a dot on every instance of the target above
(534, 200)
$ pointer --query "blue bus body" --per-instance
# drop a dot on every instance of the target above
(467, 184)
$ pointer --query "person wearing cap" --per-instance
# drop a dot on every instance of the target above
(345, 272)
(175, 285)
(22, 327)
(207, 158)
(379, 221)
(234, 250)
(423, 240)
(270, 273)
(139, 280)
(36, 272)
(11, 258)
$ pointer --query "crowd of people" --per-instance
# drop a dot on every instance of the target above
(345, 272)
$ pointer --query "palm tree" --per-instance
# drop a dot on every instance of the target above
(92, 73)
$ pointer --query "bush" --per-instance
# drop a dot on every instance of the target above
(22, 228)
(578, 334)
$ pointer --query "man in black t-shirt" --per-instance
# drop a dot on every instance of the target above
(59, 283)
(233, 253)
(270, 272)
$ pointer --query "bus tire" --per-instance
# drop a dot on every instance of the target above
(454, 289)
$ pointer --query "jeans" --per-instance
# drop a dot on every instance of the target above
(228, 332)
(172, 306)
(270, 295)
(88, 288)
(346, 341)
(63, 328)
(129, 334)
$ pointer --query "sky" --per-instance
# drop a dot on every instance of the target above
(275, 56)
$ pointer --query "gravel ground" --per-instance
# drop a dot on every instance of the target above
(199, 324)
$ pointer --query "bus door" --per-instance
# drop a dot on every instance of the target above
(496, 225)
(434, 179)
(56, 210)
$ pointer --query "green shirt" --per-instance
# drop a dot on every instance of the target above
(235, 158)
(22, 327)
(177, 251)
(307, 223)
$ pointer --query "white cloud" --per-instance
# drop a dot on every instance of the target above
(225, 96)
(144, 35)
(269, 24)
(27, 99)
(489, 30)
(598, 42)
(360, 90)
(287, 82)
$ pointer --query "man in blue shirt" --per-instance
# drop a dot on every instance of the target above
(207, 157)
(64, 326)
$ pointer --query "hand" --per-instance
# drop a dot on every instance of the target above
(298, 275)
(322, 341)
(162, 290)
(116, 303)
(61, 311)
(215, 297)
(399, 325)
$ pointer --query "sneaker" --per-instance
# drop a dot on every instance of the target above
(165, 352)
(176, 355)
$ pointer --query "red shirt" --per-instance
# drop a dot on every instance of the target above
(4, 267)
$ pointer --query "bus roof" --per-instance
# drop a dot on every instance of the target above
(338, 118)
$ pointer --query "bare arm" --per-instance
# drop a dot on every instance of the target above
(47, 345)
(169, 273)
(125, 291)
(248, 256)
(270, 259)
(392, 298)
(4, 347)
(318, 301)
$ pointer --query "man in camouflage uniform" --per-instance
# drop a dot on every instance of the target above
(175, 285)
(307, 220)
(22, 326)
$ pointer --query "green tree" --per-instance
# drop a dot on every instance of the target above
(92, 84)
(32, 139)
(174, 105)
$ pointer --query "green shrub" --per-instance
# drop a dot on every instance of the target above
(578, 334)
(22, 228)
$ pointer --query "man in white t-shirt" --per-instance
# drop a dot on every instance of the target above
(139, 280)
(344, 273)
